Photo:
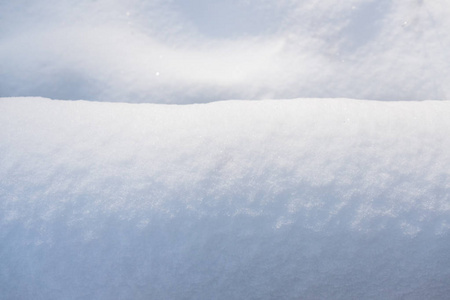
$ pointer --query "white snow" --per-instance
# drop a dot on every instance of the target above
(204, 50)
(287, 199)
(318, 197)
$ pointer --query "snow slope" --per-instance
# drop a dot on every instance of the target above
(177, 51)
(294, 199)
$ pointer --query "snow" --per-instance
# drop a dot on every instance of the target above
(285, 199)
(111, 50)
(298, 192)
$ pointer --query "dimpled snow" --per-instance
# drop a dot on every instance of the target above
(287, 199)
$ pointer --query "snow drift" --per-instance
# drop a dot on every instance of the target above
(199, 51)
(305, 199)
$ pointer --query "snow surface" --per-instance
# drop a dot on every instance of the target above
(290, 199)
(177, 51)
(293, 199)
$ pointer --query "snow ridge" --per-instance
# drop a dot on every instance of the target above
(288, 199)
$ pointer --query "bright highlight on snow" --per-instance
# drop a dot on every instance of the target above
(306, 198)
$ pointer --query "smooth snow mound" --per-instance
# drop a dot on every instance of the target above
(295, 199)
(177, 51)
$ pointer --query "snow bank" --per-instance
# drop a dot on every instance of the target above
(305, 199)
(200, 51)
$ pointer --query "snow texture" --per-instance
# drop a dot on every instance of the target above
(321, 198)
(179, 51)
(293, 199)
